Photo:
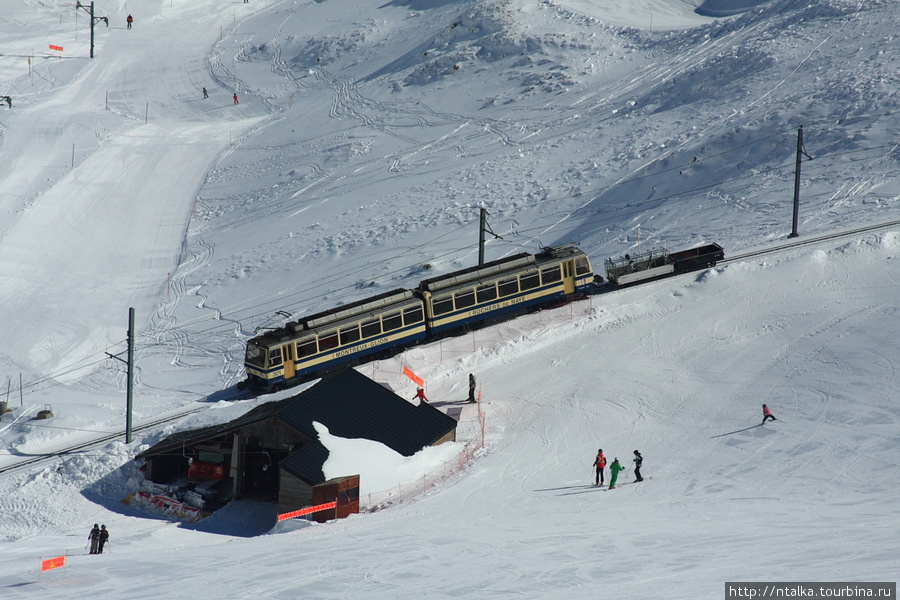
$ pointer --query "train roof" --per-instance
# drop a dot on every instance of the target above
(494, 268)
(476, 272)
(346, 311)
(332, 316)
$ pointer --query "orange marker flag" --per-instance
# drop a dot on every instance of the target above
(53, 563)
(408, 372)
(307, 510)
(52, 47)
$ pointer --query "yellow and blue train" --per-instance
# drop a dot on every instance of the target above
(388, 323)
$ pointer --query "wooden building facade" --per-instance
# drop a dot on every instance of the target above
(273, 453)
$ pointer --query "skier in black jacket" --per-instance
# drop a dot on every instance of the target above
(104, 537)
(94, 536)
(638, 461)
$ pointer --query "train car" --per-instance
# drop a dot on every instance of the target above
(504, 288)
(656, 264)
(382, 325)
(339, 337)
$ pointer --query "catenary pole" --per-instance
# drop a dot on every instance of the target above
(130, 385)
(94, 20)
(801, 151)
(481, 237)
(483, 226)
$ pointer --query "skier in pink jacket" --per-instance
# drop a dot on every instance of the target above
(767, 414)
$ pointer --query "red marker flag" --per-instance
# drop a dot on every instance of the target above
(52, 47)
(53, 563)
(419, 381)
(307, 510)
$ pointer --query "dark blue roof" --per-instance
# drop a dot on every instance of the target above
(351, 406)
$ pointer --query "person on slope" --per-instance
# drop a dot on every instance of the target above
(638, 461)
(420, 394)
(104, 537)
(471, 388)
(614, 470)
(599, 464)
(94, 536)
(129, 20)
(767, 414)
(235, 98)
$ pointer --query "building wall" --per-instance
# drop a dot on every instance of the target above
(275, 435)
(293, 493)
(450, 437)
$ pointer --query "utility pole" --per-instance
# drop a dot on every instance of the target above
(129, 395)
(93, 21)
(801, 151)
(130, 369)
(483, 226)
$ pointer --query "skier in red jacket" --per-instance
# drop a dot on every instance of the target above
(767, 414)
(420, 394)
(599, 464)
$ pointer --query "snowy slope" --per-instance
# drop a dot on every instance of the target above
(367, 138)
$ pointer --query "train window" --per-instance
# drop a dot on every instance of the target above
(486, 293)
(413, 315)
(465, 299)
(551, 274)
(443, 306)
(392, 321)
(306, 347)
(582, 266)
(275, 357)
(349, 334)
(508, 286)
(328, 341)
(371, 328)
(255, 355)
(530, 281)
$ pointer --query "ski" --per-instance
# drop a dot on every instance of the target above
(618, 485)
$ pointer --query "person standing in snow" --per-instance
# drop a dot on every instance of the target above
(599, 464)
(638, 461)
(767, 414)
(129, 20)
(471, 388)
(103, 538)
(205, 93)
(94, 536)
(614, 470)
(420, 394)
(235, 98)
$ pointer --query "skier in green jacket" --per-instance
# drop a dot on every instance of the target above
(614, 469)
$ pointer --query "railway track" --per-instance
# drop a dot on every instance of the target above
(799, 243)
(37, 459)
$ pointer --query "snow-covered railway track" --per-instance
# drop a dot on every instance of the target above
(37, 459)
(798, 243)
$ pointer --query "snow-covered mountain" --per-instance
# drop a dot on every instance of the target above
(367, 137)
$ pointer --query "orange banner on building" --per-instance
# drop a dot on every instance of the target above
(52, 47)
(307, 510)
(53, 563)
(419, 381)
